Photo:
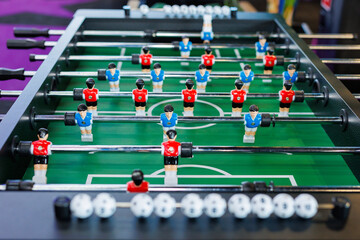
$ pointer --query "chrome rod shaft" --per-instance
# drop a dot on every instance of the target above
(203, 149)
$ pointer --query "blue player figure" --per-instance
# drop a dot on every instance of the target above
(157, 76)
(251, 121)
(113, 76)
(168, 120)
(207, 34)
(291, 75)
(84, 120)
(247, 76)
(201, 77)
(185, 47)
(261, 47)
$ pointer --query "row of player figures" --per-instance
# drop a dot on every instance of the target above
(192, 10)
(213, 205)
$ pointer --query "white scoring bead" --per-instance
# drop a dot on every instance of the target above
(226, 11)
(176, 9)
(142, 205)
(192, 205)
(306, 206)
(184, 10)
(201, 10)
(167, 9)
(81, 206)
(165, 205)
(262, 205)
(104, 205)
(192, 10)
(239, 205)
(214, 205)
(284, 205)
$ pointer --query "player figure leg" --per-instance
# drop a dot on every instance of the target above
(114, 86)
(188, 109)
(40, 168)
(145, 68)
(201, 87)
(185, 55)
(249, 136)
(89, 136)
(246, 87)
(171, 171)
(259, 55)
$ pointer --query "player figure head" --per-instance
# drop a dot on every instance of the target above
(146, 50)
(238, 84)
(202, 69)
(169, 110)
(171, 134)
(291, 69)
(287, 86)
(82, 109)
(208, 51)
(140, 84)
(253, 110)
(189, 84)
(112, 67)
(90, 83)
(247, 69)
(185, 39)
(270, 51)
(262, 39)
(43, 134)
(157, 68)
(137, 176)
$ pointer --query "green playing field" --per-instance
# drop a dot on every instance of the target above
(211, 168)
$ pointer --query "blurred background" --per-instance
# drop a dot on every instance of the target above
(309, 16)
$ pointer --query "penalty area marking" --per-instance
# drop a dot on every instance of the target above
(225, 175)
(221, 112)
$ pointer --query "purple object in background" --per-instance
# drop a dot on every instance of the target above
(19, 58)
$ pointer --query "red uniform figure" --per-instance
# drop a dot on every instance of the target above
(171, 151)
(140, 96)
(189, 96)
(91, 95)
(238, 96)
(269, 62)
(286, 97)
(145, 59)
(137, 185)
(208, 59)
(41, 149)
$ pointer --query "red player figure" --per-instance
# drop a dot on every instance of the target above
(286, 97)
(269, 61)
(208, 59)
(171, 151)
(91, 95)
(238, 96)
(140, 96)
(41, 149)
(189, 95)
(137, 185)
(145, 59)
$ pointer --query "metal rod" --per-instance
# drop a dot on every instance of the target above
(195, 119)
(197, 46)
(216, 35)
(204, 149)
(161, 95)
(35, 57)
(178, 74)
(191, 188)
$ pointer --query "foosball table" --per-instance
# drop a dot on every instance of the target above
(298, 178)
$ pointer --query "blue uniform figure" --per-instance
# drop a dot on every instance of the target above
(113, 76)
(168, 120)
(291, 75)
(251, 121)
(185, 46)
(247, 76)
(261, 47)
(201, 77)
(84, 120)
(207, 36)
(157, 76)
(207, 33)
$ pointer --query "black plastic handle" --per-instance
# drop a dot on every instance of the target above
(24, 44)
(7, 73)
(31, 32)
